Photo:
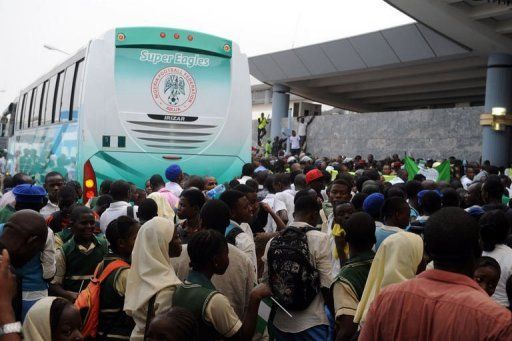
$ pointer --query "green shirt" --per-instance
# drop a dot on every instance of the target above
(355, 272)
(194, 296)
(6, 213)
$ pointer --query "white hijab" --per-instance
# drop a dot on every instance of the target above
(37, 322)
(396, 260)
(151, 269)
(164, 209)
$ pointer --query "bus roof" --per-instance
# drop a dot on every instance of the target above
(150, 36)
(59, 67)
(172, 37)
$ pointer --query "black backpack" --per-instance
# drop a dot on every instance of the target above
(293, 279)
(417, 227)
(231, 236)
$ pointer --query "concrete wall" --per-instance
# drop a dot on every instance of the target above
(429, 133)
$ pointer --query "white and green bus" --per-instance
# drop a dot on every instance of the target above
(132, 102)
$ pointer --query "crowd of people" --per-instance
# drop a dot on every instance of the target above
(295, 248)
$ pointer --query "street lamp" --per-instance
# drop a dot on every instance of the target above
(53, 48)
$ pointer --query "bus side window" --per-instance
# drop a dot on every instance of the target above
(75, 92)
(19, 113)
(12, 120)
(44, 98)
(24, 112)
(66, 94)
(31, 108)
(58, 96)
(37, 106)
(50, 102)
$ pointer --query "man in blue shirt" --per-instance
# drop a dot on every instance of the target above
(34, 274)
(25, 236)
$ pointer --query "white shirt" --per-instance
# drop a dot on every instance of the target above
(482, 175)
(244, 179)
(503, 255)
(295, 142)
(465, 182)
(336, 266)
(48, 256)
(115, 210)
(287, 198)
(236, 283)
(247, 229)
(48, 264)
(174, 188)
(245, 243)
(302, 129)
(7, 199)
(397, 180)
(325, 197)
(314, 315)
(49, 209)
(276, 205)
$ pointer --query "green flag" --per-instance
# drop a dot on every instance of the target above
(444, 171)
(411, 167)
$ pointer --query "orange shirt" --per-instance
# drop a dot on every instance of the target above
(436, 305)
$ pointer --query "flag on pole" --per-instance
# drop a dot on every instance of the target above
(439, 173)
(411, 167)
(265, 316)
(444, 171)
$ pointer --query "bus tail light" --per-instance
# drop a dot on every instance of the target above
(90, 185)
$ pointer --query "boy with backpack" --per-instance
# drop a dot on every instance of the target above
(101, 303)
(303, 291)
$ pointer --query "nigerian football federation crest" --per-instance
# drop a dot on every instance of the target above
(173, 89)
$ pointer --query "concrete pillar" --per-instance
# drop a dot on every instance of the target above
(268, 96)
(498, 93)
(280, 104)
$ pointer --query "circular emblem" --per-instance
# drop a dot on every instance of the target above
(173, 89)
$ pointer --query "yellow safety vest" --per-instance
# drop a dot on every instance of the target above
(262, 122)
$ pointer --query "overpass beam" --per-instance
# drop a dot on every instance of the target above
(280, 104)
(496, 144)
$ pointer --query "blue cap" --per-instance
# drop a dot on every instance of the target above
(425, 191)
(373, 204)
(173, 172)
(29, 193)
(259, 169)
(475, 211)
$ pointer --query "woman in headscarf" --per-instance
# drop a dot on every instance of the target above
(397, 260)
(164, 208)
(152, 280)
(52, 318)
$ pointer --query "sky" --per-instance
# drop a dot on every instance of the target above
(259, 27)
